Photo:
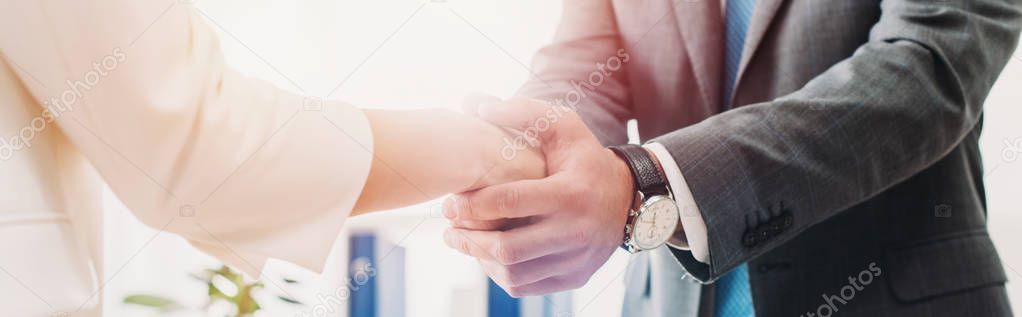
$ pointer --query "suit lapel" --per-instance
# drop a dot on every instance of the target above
(762, 16)
(701, 26)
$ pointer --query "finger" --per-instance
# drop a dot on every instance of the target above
(544, 287)
(470, 242)
(536, 119)
(516, 113)
(480, 225)
(532, 271)
(516, 199)
(491, 225)
(510, 247)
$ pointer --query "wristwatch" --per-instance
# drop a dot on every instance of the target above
(654, 215)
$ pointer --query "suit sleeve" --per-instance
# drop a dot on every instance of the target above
(192, 147)
(585, 69)
(905, 99)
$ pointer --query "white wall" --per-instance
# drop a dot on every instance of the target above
(1001, 143)
(410, 53)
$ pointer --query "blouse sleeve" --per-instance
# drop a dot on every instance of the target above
(242, 169)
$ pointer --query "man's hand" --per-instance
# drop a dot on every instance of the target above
(567, 224)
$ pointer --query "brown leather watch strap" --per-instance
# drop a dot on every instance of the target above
(649, 179)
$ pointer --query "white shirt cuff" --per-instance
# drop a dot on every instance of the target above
(691, 220)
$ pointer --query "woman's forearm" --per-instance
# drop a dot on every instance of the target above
(419, 155)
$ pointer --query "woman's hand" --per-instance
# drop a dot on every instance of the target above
(512, 158)
(419, 155)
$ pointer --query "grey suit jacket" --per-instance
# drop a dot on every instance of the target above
(849, 176)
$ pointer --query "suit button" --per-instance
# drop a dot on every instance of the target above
(788, 220)
(777, 266)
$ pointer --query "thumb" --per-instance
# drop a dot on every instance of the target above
(537, 120)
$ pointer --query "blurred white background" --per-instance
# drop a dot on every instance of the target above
(410, 53)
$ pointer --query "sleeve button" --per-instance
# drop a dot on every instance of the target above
(749, 239)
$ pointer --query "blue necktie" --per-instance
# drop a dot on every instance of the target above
(733, 296)
(736, 25)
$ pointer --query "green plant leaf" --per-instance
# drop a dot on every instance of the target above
(161, 303)
(289, 300)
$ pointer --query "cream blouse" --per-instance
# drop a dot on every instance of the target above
(136, 94)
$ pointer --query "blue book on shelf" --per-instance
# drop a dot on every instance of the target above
(376, 273)
(500, 304)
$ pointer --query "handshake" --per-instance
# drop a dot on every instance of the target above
(539, 236)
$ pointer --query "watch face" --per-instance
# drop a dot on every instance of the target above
(658, 217)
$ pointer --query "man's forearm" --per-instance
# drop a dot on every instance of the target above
(904, 100)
